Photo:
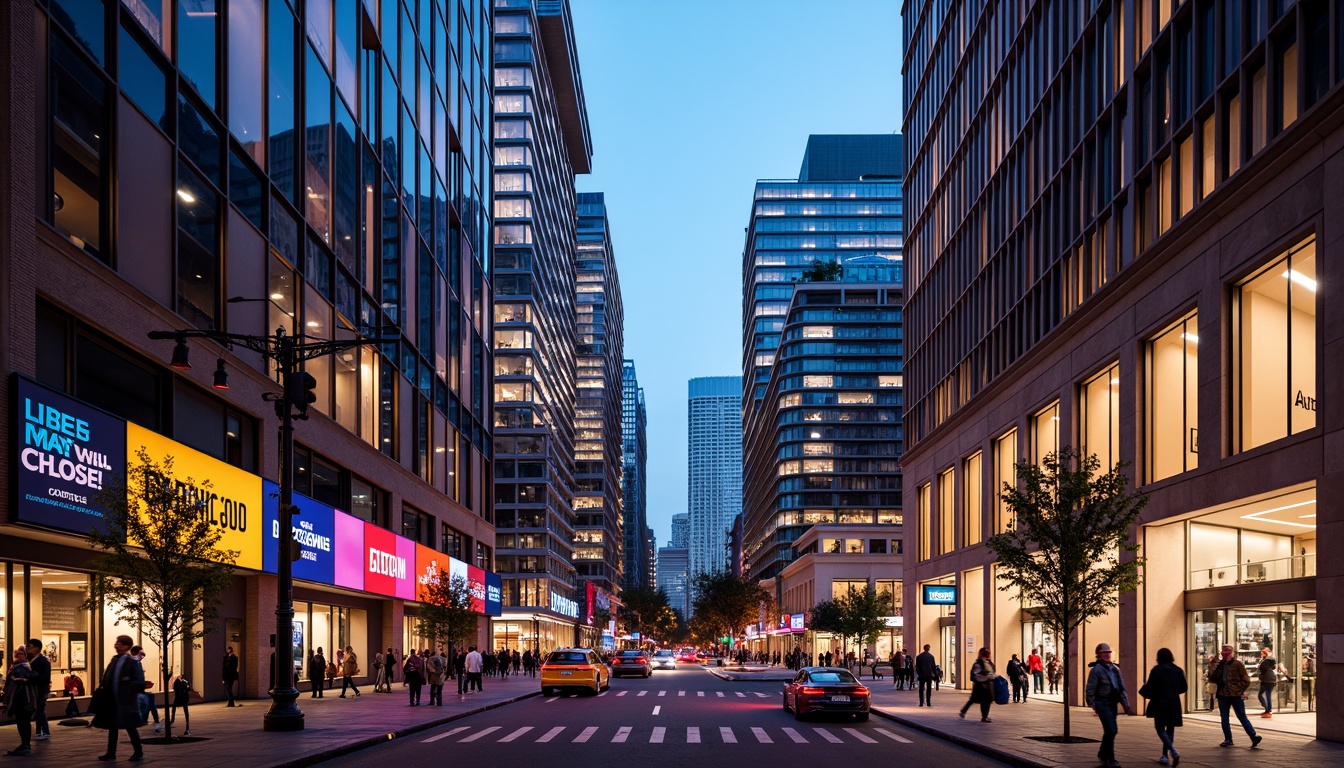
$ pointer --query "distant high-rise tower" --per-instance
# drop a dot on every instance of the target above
(634, 430)
(674, 578)
(714, 472)
(681, 530)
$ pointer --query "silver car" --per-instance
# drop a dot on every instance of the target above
(664, 659)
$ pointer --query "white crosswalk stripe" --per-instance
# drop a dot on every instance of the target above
(893, 736)
(657, 737)
(827, 735)
(642, 693)
(446, 734)
(699, 693)
(622, 734)
(662, 693)
(517, 733)
(720, 693)
(551, 734)
(761, 695)
(681, 693)
(604, 693)
(553, 698)
(761, 736)
(481, 734)
(585, 735)
(622, 693)
(726, 734)
(693, 735)
(860, 736)
(741, 695)
(796, 736)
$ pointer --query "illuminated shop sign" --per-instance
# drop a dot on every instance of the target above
(564, 606)
(494, 594)
(66, 452)
(797, 622)
(314, 528)
(939, 594)
(350, 561)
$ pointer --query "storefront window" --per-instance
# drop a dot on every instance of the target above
(331, 628)
(1173, 400)
(62, 625)
(1268, 540)
(1275, 349)
(1101, 417)
(1287, 631)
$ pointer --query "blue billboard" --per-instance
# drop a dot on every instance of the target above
(314, 528)
(939, 594)
(494, 593)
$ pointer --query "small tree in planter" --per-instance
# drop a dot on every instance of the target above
(159, 566)
(445, 611)
(1063, 550)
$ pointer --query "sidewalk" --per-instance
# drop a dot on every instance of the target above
(234, 737)
(1007, 737)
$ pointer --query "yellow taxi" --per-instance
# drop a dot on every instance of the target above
(574, 668)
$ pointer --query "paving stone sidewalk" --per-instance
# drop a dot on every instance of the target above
(234, 737)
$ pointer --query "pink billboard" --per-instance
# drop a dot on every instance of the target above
(349, 547)
(406, 573)
(382, 564)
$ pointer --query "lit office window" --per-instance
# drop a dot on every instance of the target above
(1005, 474)
(922, 500)
(1045, 432)
(1100, 409)
(972, 520)
(947, 509)
(1275, 348)
(1172, 407)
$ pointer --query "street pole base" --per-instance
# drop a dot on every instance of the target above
(284, 714)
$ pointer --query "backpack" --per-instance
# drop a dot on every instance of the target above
(1269, 670)
(1000, 690)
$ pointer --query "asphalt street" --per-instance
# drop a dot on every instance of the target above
(685, 717)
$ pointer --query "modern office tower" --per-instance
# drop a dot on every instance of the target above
(598, 445)
(241, 167)
(674, 578)
(822, 423)
(1120, 222)
(541, 142)
(651, 559)
(714, 469)
(681, 530)
(634, 471)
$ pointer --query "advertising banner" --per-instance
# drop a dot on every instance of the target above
(66, 452)
(430, 568)
(382, 565)
(314, 528)
(939, 594)
(232, 502)
(405, 568)
(350, 558)
(476, 584)
(494, 594)
(797, 622)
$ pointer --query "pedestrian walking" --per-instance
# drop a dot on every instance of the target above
(229, 674)
(1231, 681)
(982, 685)
(474, 665)
(379, 672)
(1270, 672)
(41, 683)
(1052, 673)
(925, 671)
(1106, 695)
(20, 700)
(460, 668)
(119, 710)
(1037, 670)
(389, 669)
(1166, 683)
(436, 670)
(349, 668)
(517, 662)
(413, 669)
(528, 662)
(1017, 677)
(317, 672)
(181, 688)
(146, 702)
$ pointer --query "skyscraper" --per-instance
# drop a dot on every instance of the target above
(674, 578)
(541, 142)
(1121, 240)
(714, 469)
(599, 452)
(681, 530)
(822, 425)
(634, 511)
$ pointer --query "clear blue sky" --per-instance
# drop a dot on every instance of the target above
(689, 103)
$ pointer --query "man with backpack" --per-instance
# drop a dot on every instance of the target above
(1105, 694)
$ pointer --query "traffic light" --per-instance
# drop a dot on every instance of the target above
(299, 392)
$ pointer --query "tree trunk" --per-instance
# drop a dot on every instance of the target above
(163, 670)
(1068, 676)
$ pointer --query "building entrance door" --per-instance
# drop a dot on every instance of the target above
(947, 645)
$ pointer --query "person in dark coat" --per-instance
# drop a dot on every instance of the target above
(925, 669)
(125, 678)
(229, 674)
(317, 673)
(1166, 683)
(20, 700)
(982, 686)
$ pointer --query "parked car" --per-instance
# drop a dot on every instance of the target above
(574, 668)
(825, 689)
(664, 659)
(631, 663)
(687, 656)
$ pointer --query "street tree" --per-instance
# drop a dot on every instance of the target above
(640, 607)
(159, 567)
(1068, 550)
(865, 614)
(445, 611)
(822, 271)
(726, 603)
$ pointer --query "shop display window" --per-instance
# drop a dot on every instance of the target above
(1288, 631)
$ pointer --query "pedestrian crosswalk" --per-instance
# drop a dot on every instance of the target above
(701, 694)
(663, 734)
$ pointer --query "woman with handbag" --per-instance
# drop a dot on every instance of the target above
(982, 686)
(21, 700)
(349, 668)
(1166, 683)
(119, 707)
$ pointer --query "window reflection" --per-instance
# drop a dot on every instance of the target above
(79, 124)
(196, 35)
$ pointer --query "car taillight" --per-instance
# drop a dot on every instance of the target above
(812, 691)
(584, 668)
(862, 691)
(641, 660)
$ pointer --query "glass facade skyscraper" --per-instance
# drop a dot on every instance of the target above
(635, 463)
(541, 142)
(714, 469)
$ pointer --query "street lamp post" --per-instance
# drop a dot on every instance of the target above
(288, 352)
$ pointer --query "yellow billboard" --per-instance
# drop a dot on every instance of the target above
(234, 501)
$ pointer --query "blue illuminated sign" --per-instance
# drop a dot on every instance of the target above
(939, 594)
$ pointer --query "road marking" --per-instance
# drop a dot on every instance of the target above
(657, 737)
(693, 735)
(481, 733)
(622, 693)
(741, 695)
(894, 737)
(727, 734)
(551, 734)
(622, 734)
(662, 693)
(796, 736)
(681, 693)
(761, 736)
(553, 698)
(720, 693)
(585, 735)
(827, 735)
(517, 733)
(762, 695)
(446, 734)
(642, 693)
(866, 739)
(699, 693)
(604, 693)
(656, 710)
